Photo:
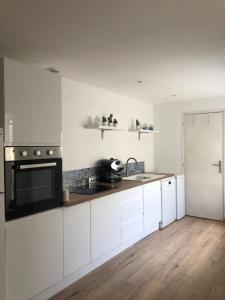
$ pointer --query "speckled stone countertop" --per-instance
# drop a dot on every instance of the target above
(114, 188)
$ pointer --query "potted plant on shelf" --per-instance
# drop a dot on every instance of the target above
(138, 125)
(151, 127)
(104, 121)
(144, 126)
(110, 120)
(115, 122)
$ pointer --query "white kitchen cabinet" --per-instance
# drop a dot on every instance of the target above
(152, 205)
(32, 105)
(132, 216)
(180, 188)
(2, 207)
(34, 247)
(77, 237)
(2, 248)
(168, 191)
(132, 228)
(105, 225)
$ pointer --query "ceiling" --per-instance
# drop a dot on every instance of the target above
(175, 47)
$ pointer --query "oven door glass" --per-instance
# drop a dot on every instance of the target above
(32, 187)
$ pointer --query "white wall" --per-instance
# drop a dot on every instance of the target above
(83, 147)
(168, 120)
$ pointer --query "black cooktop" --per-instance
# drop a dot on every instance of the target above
(90, 189)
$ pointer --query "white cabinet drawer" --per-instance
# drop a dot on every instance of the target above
(151, 187)
(132, 208)
(132, 228)
(130, 193)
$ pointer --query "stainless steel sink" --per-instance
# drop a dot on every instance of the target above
(143, 177)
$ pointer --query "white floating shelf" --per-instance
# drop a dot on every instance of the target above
(112, 128)
(140, 131)
(107, 128)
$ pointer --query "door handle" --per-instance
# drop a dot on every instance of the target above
(219, 165)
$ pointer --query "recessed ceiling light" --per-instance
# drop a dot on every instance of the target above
(139, 81)
(52, 69)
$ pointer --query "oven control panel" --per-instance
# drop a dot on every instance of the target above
(31, 153)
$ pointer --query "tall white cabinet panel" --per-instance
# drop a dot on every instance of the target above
(2, 249)
(32, 103)
(180, 196)
(105, 225)
(168, 201)
(34, 247)
(77, 237)
(152, 205)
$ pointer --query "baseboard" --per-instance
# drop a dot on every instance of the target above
(167, 223)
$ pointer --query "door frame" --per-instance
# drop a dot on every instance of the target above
(223, 144)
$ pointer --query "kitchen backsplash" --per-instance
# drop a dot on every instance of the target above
(79, 177)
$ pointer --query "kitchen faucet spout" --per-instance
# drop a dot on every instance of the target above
(130, 158)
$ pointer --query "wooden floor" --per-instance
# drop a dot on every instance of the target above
(184, 261)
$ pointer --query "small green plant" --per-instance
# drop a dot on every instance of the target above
(104, 120)
(138, 123)
(115, 122)
(110, 119)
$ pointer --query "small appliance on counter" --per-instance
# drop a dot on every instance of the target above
(110, 170)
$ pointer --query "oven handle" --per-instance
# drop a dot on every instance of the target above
(33, 166)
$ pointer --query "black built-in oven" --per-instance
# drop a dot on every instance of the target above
(33, 180)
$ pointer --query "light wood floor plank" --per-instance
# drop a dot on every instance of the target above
(185, 261)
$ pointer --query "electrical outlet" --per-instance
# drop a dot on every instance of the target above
(92, 180)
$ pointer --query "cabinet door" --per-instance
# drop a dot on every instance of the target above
(132, 216)
(152, 205)
(168, 201)
(77, 237)
(32, 103)
(34, 247)
(132, 228)
(105, 225)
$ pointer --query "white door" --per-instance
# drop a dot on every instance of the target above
(203, 152)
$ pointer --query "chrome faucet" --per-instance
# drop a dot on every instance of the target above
(130, 158)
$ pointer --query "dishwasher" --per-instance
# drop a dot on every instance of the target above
(168, 198)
